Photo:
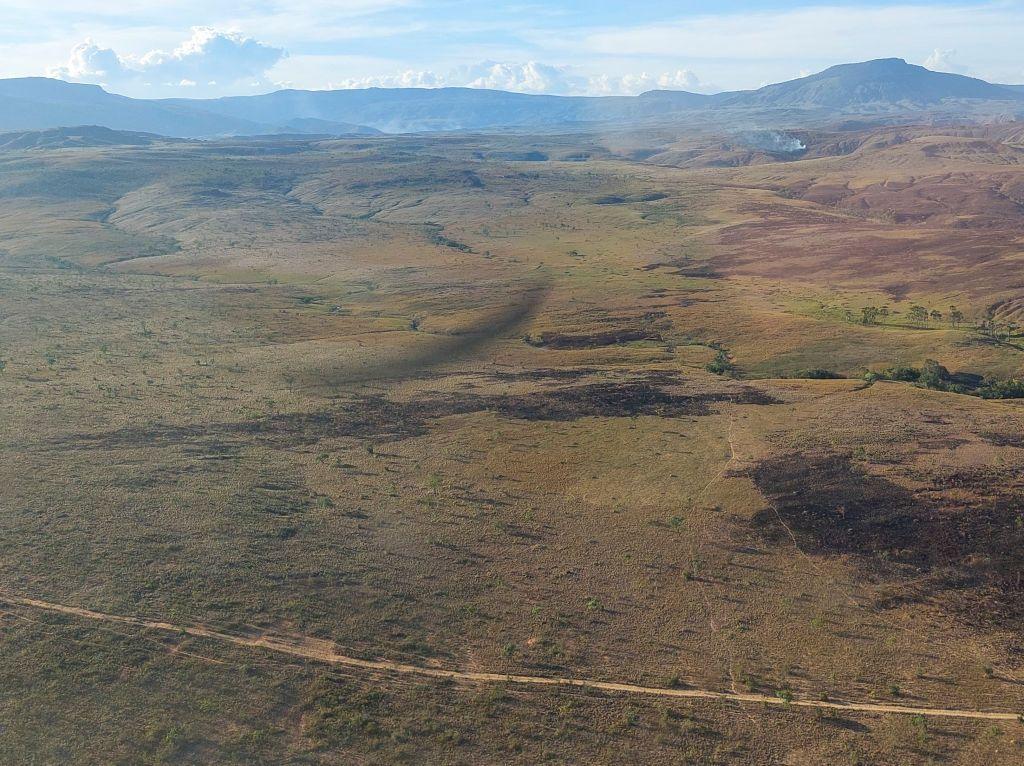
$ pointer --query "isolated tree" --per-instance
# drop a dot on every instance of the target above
(869, 315)
(918, 314)
(956, 316)
(933, 374)
(936, 315)
(884, 312)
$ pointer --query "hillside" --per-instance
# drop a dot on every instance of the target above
(78, 136)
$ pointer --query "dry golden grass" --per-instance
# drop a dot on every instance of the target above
(454, 411)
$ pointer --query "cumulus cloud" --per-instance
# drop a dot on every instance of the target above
(944, 61)
(211, 62)
(530, 77)
(534, 77)
(632, 84)
(408, 79)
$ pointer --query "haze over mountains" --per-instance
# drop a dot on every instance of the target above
(889, 87)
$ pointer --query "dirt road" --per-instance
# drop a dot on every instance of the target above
(319, 650)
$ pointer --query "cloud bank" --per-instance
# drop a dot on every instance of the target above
(211, 62)
(215, 63)
(534, 77)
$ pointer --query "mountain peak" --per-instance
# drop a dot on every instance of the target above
(880, 84)
(893, 63)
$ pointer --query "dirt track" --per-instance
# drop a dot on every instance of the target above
(325, 651)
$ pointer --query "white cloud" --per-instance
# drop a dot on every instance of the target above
(408, 79)
(534, 77)
(944, 61)
(529, 77)
(633, 84)
(88, 61)
(681, 79)
(225, 61)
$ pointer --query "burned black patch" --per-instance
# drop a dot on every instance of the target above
(618, 199)
(381, 418)
(684, 267)
(967, 555)
(562, 341)
(833, 508)
(544, 374)
(1015, 439)
(651, 395)
(601, 400)
(557, 374)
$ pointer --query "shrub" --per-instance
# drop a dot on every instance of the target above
(721, 364)
(903, 374)
(818, 374)
(1002, 389)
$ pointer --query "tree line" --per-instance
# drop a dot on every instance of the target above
(919, 315)
(922, 316)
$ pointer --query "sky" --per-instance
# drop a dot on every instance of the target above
(209, 48)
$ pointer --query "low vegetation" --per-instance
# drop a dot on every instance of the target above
(936, 377)
(325, 414)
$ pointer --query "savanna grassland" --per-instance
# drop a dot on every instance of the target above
(566, 406)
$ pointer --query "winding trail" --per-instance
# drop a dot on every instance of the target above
(307, 648)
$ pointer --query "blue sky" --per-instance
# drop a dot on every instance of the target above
(218, 47)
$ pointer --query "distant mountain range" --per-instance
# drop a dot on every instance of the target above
(881, 87)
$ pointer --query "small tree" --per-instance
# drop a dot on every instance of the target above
(918, 314)
(869, 315)
(933, 374)
(721, 364)
(956, 316)
(936, 315)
